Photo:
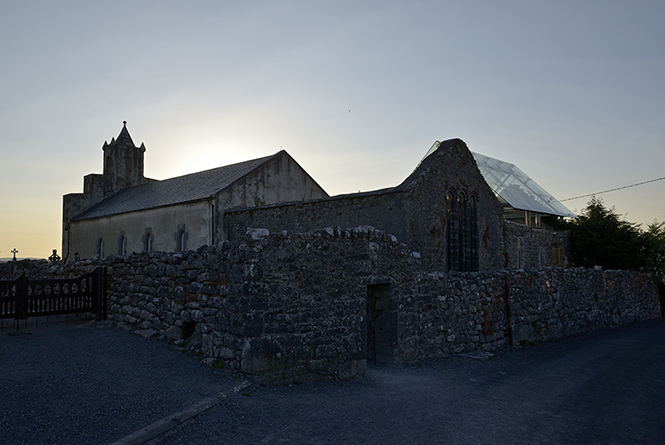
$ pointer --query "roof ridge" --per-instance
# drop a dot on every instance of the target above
(263, 159)
(197, 186)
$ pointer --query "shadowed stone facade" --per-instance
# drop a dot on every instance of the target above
(445, 210)
(284, 307)
(274, 278)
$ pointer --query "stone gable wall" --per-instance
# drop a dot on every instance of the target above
(415, 211)
(293, 307)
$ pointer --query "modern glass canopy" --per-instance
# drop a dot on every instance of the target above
(517, 189)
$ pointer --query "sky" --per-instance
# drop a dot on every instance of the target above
(572, 92)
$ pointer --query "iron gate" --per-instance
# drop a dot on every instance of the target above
(23, 298)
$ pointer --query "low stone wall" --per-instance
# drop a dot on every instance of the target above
(293, 307)
(527, 247)
(445, 314)
(286, 307)
(280, 306)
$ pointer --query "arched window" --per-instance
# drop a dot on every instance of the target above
(100, 247)
(181, 239)
(122, 245)
(461, 231)
(148, 240)
(463, 206)
(473, 239)
(452, 230)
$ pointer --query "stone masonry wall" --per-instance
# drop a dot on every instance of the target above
(292, 307)
(527, 247)
(283, 306)
(442, 314)
(415, 211)
(353, 210)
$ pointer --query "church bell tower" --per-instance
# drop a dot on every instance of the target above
(123, 163)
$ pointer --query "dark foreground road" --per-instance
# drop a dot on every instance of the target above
(97, 385)
(606, 388)
(93, 384)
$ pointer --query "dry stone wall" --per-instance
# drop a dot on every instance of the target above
(443, 314)
(280, 306)
(527, 247)
(292, 307)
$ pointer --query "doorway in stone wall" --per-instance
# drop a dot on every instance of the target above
(381, 324)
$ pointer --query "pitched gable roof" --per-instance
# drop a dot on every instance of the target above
(178, 190)
(428, 161)
(509, 183)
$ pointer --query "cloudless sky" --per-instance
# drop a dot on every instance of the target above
(572, 92)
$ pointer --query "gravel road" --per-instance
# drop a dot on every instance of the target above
(604, 388)
(97, 384)
(93, 384)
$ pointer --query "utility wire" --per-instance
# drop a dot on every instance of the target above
(614, 189)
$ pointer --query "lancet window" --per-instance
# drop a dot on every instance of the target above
(181, 238)
(122, 245)
(100, 247)
(148, 239)
(461, 231)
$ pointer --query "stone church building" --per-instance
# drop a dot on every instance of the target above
(445, 211)
(121, 211)
(458, 210)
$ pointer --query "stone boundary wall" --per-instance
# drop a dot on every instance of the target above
(294, 307)
(443, 314)
(287, 307)
(527, 247)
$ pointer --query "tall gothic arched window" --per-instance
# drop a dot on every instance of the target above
(452, 230)
(461, 231)
(473, 240)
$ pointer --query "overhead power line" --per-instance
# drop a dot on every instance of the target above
(612, 190)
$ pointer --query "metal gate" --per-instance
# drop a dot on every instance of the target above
(23, 298)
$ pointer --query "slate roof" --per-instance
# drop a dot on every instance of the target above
(178, 190)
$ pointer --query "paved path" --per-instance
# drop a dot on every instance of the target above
(100, 384)
(94, 384)
(606, 388)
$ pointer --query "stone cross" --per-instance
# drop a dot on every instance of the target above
(14, 252)
(55, 258)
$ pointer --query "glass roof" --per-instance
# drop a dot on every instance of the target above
(520, 191)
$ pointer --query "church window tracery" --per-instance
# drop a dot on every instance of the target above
(461, 231)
